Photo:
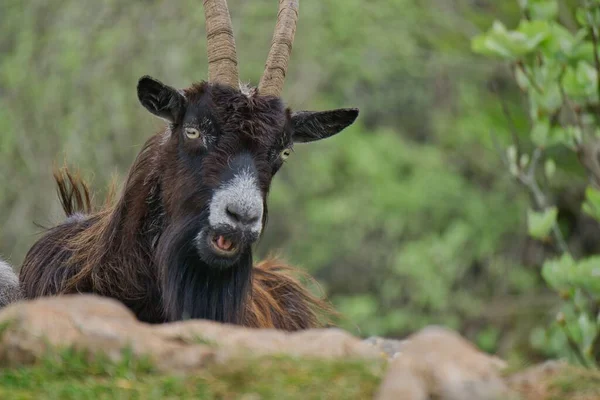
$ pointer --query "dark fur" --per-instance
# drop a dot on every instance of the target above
(139, 250)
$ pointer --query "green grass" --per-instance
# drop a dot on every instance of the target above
(575, 383)
(71, 375)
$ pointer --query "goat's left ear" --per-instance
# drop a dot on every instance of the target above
(161, 100)
(316, 125)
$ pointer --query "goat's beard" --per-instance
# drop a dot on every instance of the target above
(193, 289)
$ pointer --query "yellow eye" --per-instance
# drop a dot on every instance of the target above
(285, 154)
(192, 133)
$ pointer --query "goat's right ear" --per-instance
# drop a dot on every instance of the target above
(161, 100)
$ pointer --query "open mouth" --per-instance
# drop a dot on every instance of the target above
(222, 245)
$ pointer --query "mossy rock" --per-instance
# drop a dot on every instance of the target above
(73, 375)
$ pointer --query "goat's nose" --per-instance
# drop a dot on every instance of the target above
(243, 214)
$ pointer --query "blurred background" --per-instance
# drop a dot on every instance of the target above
(407, 218)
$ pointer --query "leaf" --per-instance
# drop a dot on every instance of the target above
(540, 132)
(522, 79)
(539, 224)
(511, 45)
(565, 274)
(562, 45)
(524, 161)
(543, 135)
(567, 136)
(580, 82)
(589, 331)
(556, 272)
(511, 155)
(548, 101)
(586, 275)
(549, 168)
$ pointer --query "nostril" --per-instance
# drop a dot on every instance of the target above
(231, 213)
(241, 215)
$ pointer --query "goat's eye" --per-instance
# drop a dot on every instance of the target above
(192, 133)
(285, 154)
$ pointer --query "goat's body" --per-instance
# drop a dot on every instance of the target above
(49, 269)
(60, 263)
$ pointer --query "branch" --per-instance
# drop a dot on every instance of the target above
(528, 179)
(573, 344)
(572, 109)
(532, 81)
(530, 182)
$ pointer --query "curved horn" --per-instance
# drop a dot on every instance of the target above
(220, 44)
(272, 80)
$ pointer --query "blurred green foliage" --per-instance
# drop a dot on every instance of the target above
(407, 218)
(558, 69)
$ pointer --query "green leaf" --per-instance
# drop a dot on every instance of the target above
(589, 331)
(547, 101)
(539, 224)
(541, 132)
(566, 274)
(563, 46)
(524, 161)
(543, 135)
(581, 82)
(556, 272)
(567, 136)
(500, 42)
(511, 155)
(522, 79)
(586, 275)
(549, 168)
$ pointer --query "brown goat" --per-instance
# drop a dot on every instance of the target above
(177, 242)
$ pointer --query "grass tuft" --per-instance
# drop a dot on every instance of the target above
(71, 374)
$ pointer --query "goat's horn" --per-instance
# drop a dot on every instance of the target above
(222, 58)
(272, 80)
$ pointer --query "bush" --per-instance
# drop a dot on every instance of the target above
(557, 67)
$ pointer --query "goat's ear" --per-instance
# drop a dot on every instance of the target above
(161, 100)
(316, 125)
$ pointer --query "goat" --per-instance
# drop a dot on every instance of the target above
(177, 242)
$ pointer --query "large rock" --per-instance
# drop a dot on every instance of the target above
(320, 343)
(437, 363)
(94, 324)
(91, 324)
(434, 363)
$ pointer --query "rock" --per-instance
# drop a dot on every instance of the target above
(388, 347)
(434, 363)
(322, 343)
(94, 324)
(533, 381)
(90, 324)
(439, 363)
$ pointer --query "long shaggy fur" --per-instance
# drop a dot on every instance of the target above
(100, 253)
